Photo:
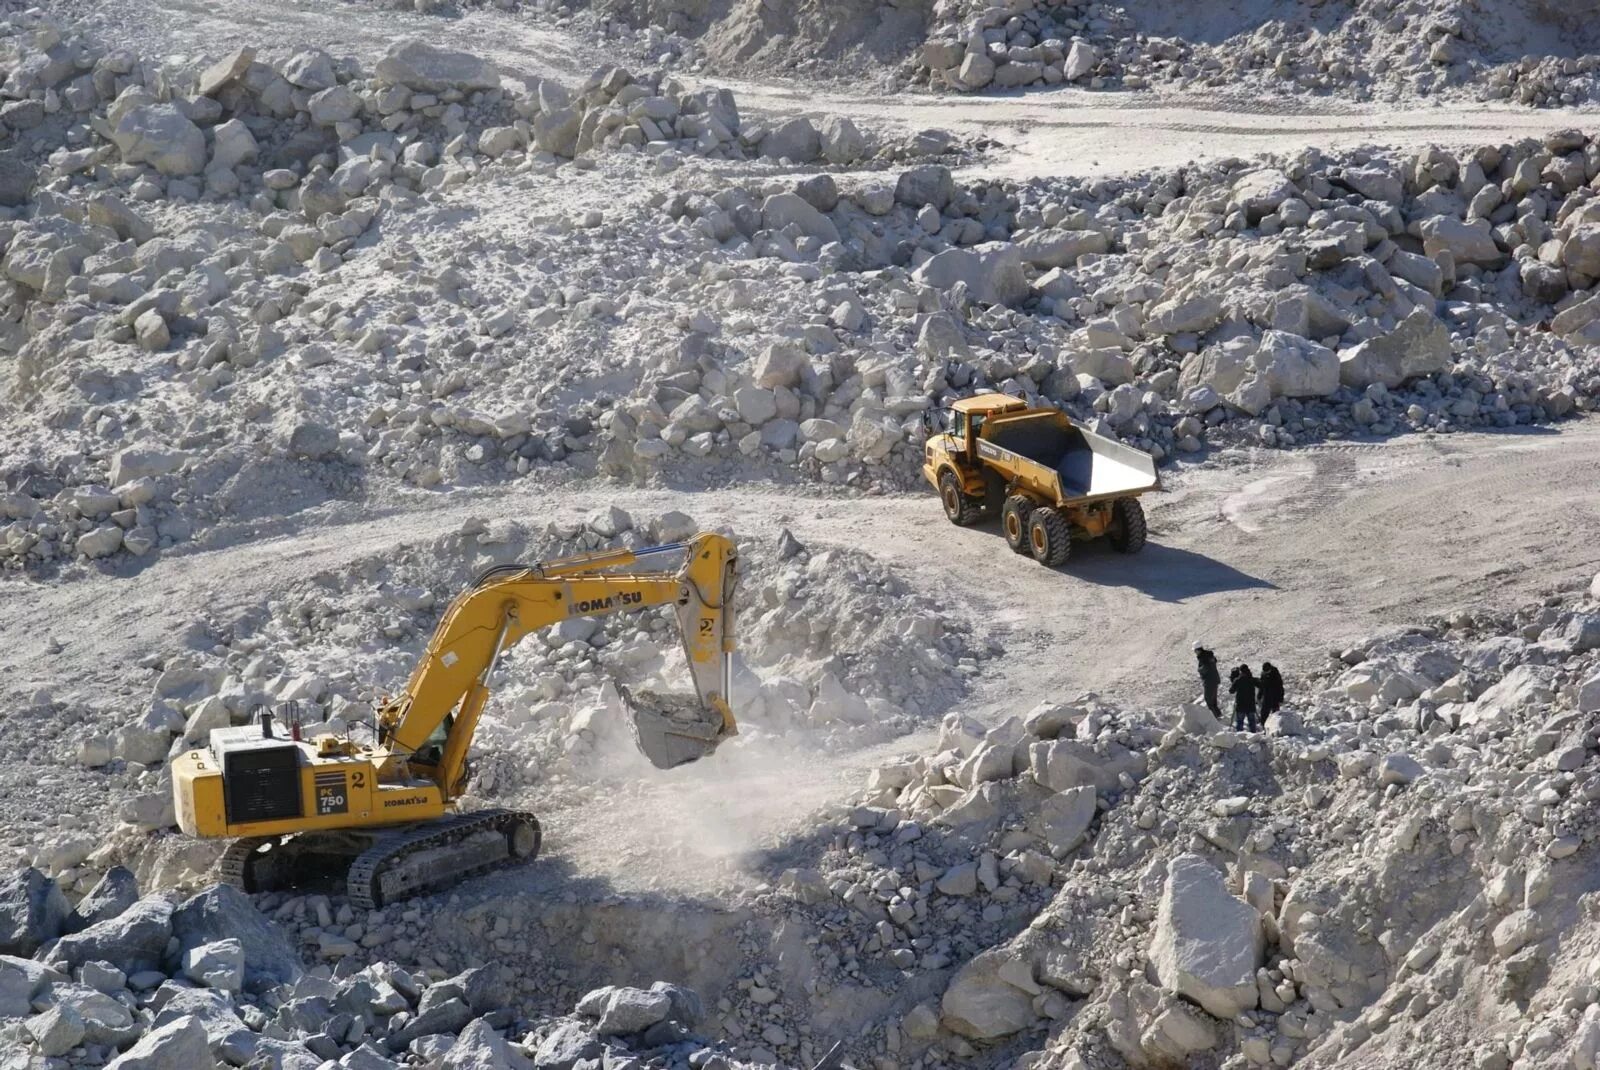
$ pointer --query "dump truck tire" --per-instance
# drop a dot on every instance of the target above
(1049, 536)
(1128, 529)
(1014, 516)
(959, 506)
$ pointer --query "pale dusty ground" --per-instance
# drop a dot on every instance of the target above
(1271, 555)
(1279, 555)
(1052, 132)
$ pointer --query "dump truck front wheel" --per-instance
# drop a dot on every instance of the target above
(1049, 536)
(1128, 530)
(1014, 517)
(959, 506)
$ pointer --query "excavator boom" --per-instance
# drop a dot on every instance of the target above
(381, 808)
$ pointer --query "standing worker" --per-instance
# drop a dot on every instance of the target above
(1243, 688)
(1271, 691)
(1210, 678)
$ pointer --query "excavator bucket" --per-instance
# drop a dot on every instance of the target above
(673, 730)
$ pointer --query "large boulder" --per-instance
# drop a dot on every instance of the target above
(630, 1010)
(567, 1045)
(1419, 346)
(556, 131)
(163, 137)
(928, 183)
(1208, 944)
(1064, 818)
(1374, 182)
(133, 941)
(32, 911)
(1467, 242)
(216, 1013)
(1259, 193)
(178, 1045)
(784, 209)
(984, 1000)
(114, 893)
(1195, 314)
(17, 177)
(479, 1047)
(418, 65)
(1513, 697)
(1222, 367)
(795, 140)
(20, 980)
(1061, 248)
(1295, 367)
(843, 142)
(1581, 251)
(993, 272)
(223, 912)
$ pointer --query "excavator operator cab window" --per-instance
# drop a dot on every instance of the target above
(432, 751)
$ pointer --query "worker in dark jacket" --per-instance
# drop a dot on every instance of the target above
(1243, 688)
(1271, 691)
(1210, 678)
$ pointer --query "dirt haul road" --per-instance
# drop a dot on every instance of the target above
(1266, 555)
(1053, 132)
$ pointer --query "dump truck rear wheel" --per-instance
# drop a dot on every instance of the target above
(1128, 529)
(959, 506)
(1049, 536)
(1014, 516)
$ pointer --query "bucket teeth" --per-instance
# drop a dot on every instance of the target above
(672, 730)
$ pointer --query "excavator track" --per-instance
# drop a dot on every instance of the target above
(235, 866)
(435, 856)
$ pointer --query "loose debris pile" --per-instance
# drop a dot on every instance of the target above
(1394, 867)
(208, 310)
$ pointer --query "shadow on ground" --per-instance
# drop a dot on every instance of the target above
(1165, 573)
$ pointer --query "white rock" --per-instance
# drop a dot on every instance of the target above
(1208, 944)
(1080, 60)
(336, 104)
(1420, 345)
(178, 1045)
(163, 137)
(779, 364)
(151, 331)
(1065, 817)
(103, 541)
(795, 140)
(959, 880)
(311, 69)
(232, 144)
(993, 272)
(790, 209)
(981, 1004)
(418, 65)
(1398, 768)
(842, 142)
(217, 965)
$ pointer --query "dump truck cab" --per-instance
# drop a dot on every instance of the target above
(1050, 479)
(955, 449)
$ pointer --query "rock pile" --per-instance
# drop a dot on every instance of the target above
(210, 981)
(1386, 871)
(1500, 52)
(835, 651)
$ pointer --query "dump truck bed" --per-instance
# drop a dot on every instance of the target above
(1065, 462)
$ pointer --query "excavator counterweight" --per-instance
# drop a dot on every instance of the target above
(384, 812)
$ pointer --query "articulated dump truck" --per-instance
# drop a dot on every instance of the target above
(1051, 480)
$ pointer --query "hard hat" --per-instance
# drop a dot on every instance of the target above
(1197, 645)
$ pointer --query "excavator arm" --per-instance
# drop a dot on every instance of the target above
(430, 725)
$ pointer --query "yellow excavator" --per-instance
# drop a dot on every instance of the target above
(384, 810)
